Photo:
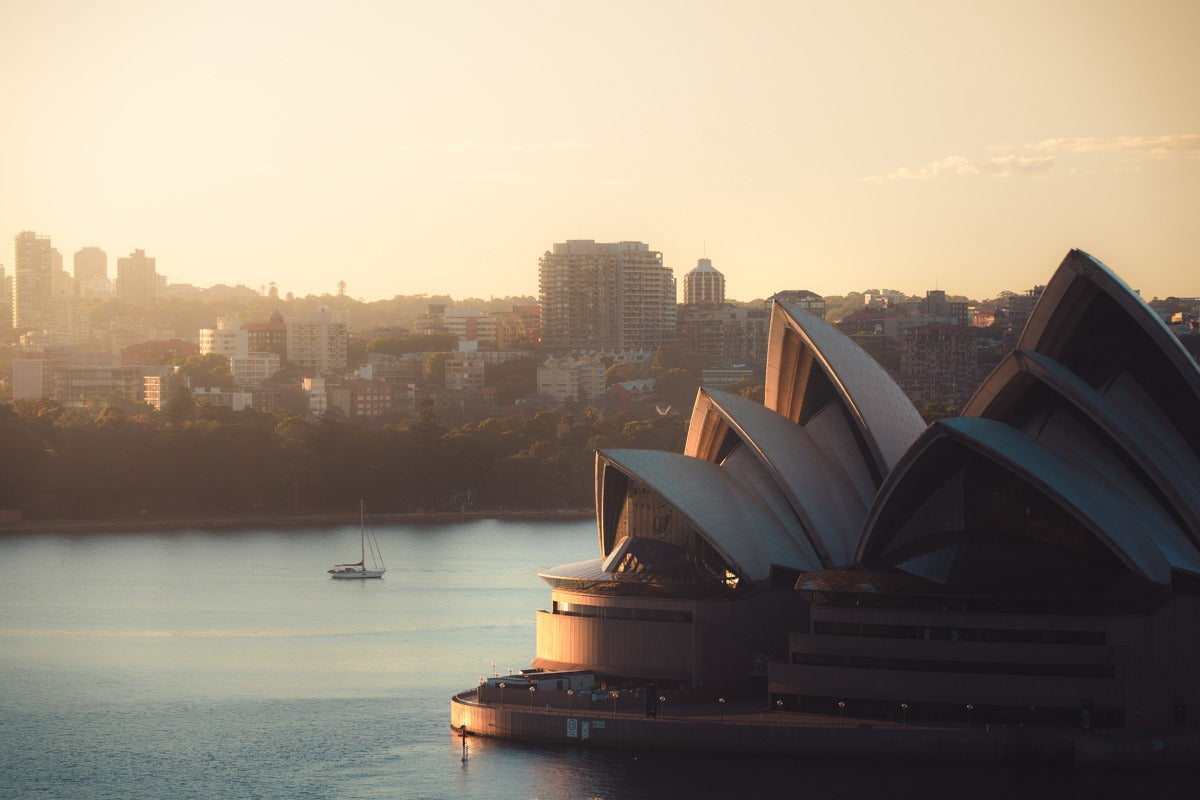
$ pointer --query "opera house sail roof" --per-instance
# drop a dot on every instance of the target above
(1079, 454)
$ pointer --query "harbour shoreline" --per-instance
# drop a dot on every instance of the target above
(145, 524)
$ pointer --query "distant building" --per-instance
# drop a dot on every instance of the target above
(253, 369)
(725, 334)
(433, 320)
(268, 337)
(228, 339)
(122, 334)
(467, 324)
(33, 266)
(606, 296)
(318, 342)
(67, 324)
(237, 399)
(464, 373)
(408, 368)
(519, 327)
(137, 280)
(570, 378)
(6, 314)
(803, 299)
(369, 399)
(704, 285)
(159, 386)
(936, 305)
(91, 273)
(271, 397)
(938, 362)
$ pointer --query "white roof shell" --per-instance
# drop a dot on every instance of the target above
(822, 495)
(881, 412)
(1120, 528)
(742, 530)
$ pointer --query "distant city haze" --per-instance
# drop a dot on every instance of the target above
(407, 148)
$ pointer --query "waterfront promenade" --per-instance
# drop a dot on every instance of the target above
(742, 728)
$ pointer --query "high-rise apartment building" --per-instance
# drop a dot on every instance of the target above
(319, 342)
(6, 316)
(33, 266)
(91, 272)
(137, 279)
(605, 296)
(704, 285)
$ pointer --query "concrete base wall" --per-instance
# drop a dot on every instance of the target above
(864, 740)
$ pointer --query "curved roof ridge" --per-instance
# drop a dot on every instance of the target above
(1049, 325)
(884, 415)
(739, 527)
(1174, 469)
(800, 469)
(1111, 522)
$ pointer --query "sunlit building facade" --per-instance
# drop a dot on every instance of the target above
(605, 296)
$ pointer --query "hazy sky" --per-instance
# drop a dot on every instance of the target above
(441, 147)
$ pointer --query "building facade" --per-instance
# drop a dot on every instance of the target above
(137, 279)
(91, 272)
(318, 342)
(605, 296)
(704, 284)
(726, 334)
(33, 268)
(571, 378)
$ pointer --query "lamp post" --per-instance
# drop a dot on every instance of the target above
(570, 700)
(721, 700)
(502, 685)
(662, 699)
(970, 708)
(532, 689)
(778, 711)
(904, 712)
(841, 709)
(614, 694)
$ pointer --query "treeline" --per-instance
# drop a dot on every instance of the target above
(72, 463)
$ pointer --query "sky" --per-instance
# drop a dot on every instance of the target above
(442, 147)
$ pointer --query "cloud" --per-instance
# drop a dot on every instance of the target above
(1180, 144)
(1034, 159)
(1006, 166)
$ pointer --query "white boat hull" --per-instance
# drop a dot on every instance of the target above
(357, 574)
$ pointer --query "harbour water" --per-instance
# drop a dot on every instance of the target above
(201, 665)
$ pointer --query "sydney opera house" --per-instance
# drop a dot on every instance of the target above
(1034, 560)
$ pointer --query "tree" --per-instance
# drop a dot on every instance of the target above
(512, 379)
(621, 371)
(672, 356)
(181, 405)
(677, 387)
(208, 369)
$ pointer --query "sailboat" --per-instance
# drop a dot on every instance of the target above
(359, 568)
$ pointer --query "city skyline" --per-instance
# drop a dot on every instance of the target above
(407, 149)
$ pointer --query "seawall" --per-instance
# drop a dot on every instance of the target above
(812, 736)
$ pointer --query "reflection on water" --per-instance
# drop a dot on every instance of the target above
(229, 665)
